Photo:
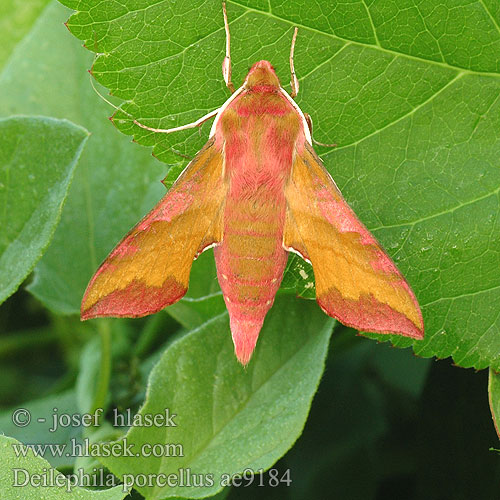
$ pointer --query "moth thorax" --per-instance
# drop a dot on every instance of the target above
(262, 76)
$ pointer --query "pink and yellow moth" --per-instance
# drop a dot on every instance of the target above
(255, 192)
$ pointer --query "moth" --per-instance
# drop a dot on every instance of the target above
(255, 192)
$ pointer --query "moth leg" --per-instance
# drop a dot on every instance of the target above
(294, 82)
(197, 123)
(309, 121)
(226, 63)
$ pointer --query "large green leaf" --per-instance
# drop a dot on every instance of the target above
(40, 429)
(37, 160)
(409, 92)
(229, 418)
(30, 477)
(116, 182)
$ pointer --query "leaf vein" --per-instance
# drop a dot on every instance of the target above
(364, 44)
(438, 214)
(402, 117)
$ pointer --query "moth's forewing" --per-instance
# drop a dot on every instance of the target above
(149, 269)
(356, 281)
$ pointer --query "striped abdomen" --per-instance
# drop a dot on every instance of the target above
(250, 263)
(258, 133)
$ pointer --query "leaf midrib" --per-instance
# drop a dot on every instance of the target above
(439, 214)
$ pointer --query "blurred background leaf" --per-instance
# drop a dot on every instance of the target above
(31, 467)
(39, 432)
(16, 19)
(37, 160)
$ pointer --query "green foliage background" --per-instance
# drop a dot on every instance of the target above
(409, 92)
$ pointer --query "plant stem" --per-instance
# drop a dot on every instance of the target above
(148, 335)
(101, 393)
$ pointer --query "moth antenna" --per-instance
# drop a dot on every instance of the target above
(104, 99)
(294, 82)
(194, 124)
(226, 63)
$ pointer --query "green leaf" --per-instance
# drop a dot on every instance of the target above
(299, 278)
(37, 160)
(229, 418)
(494, 398)
(408, 92)
(204, 298)
(34, 471)
(40, 429)
(116, 182)
(191, 313)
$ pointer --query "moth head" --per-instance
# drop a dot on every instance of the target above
(262, 76)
